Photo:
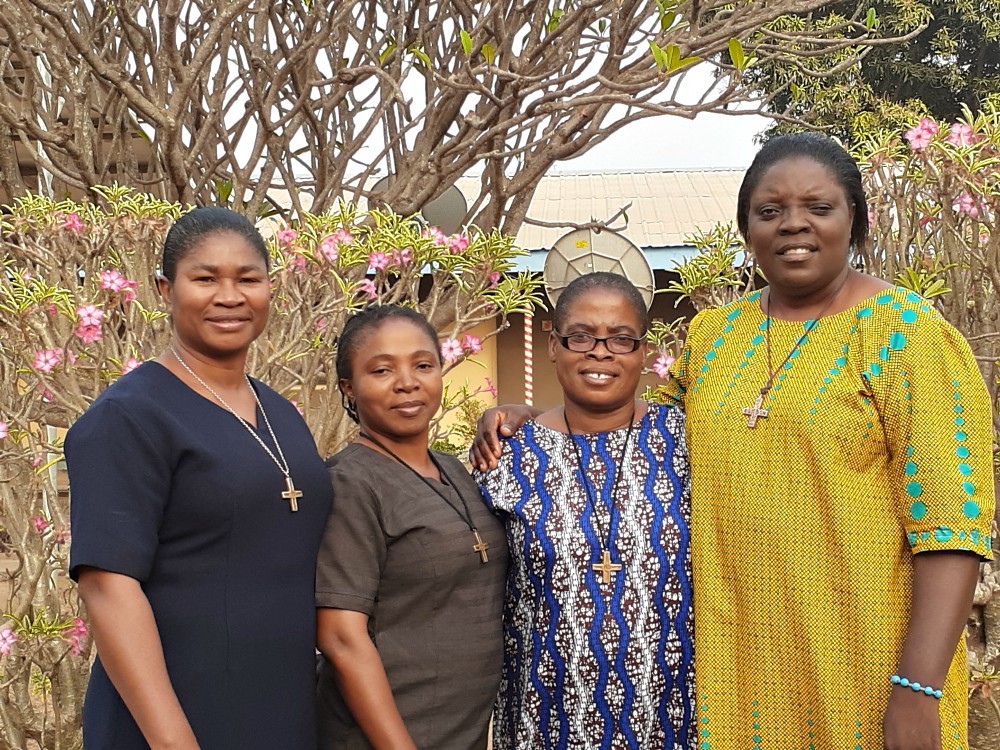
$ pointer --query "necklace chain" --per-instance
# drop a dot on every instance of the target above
(588, 487)
(283, 463)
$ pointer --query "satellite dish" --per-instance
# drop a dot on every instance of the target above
(584, 251)
(446, 212)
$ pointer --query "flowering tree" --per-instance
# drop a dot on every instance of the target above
(78, 309)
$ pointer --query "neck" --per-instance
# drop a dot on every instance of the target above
(413, 450)
(224, 373)
(809, 304)
(583, 420)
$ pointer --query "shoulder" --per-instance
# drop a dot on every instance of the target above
(710, 321)
(142, 396)
(670, 414)
(450, 463)
(897, 317)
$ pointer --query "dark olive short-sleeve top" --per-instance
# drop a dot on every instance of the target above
(396, 551)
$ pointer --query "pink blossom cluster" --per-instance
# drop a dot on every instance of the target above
(286, 236)
(47, 360)
(967, 204)
(88, 328)
(130, 365)
(961, 134)
(367, 288)
(41, 525)
(456, 243)
(919, 136)
(4, 430)
(115, 283)
(452, 349)
(74, 635)
(380, 261)
(662, 365)
(72, 222)
(330, 246)
(7, 640)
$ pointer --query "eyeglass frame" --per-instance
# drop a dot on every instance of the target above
(564, 340)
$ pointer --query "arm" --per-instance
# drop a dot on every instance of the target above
(943, 585)
(343, 638)
(130, 650)
(495, 421)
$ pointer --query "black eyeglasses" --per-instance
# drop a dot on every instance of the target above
(584, 342)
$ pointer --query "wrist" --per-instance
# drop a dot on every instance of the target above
(915, 686)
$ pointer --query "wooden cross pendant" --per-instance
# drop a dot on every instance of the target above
(755, 412)
(291, 494)
(480, 546)
(605, 567)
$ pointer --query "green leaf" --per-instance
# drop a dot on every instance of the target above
(658, 55)
(553, 23)
(871, 20)
(384, 54)
(489, 53)
(667, 20)
(737, 54)
(422, 56)
(224, 189)
(466, 41)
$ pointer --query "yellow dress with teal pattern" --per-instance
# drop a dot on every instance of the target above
(876, 446)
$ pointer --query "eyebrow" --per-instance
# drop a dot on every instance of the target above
(615, 330)
(209, 267)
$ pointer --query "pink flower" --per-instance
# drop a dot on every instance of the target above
(662, 365)
(367, 287)
(984, 238)
(378, 261)
(286, 236)
(7, 639)
(51, 311)
(130, 365)
(297, 407)
(40, 524)
(472, 344)
(967, 204)
(458, 243)
(328, 248)
(112, 280)
(74, 635)
(4, 430)
(63, 536)
(450, 350)
(871, 217)
(920, 135)
(435, 234)
(88, 334)
(490, 388)
(47, 360)
(37, 460)
(402, 257)
(297, 263)
(89, 315)
(495, 277)
(961, 134)
(72, 223)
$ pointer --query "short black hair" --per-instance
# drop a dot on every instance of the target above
(355, 328)
(599, 280)
(199, 223)
(824, 151)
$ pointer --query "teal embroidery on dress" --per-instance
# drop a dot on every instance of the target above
(704, 733)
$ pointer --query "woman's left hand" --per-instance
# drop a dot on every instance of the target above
(911, 722)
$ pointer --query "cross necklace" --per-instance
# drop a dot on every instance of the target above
(290, 494)
(757, 411)
(481, 546)
(605, 568)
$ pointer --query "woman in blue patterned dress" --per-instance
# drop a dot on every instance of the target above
(594, 494)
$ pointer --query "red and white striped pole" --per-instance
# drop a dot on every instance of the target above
(529, 388)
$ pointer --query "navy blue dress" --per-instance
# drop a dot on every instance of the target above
(169, 488)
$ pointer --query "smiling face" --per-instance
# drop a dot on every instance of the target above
(799, 228)
(395, 381)
(598, 382)
(219, 297)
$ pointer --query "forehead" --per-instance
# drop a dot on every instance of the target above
(797, 175)
(221, 249)
(396, 337)
(602, 306)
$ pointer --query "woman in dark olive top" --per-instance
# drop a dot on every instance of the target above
(411, 573)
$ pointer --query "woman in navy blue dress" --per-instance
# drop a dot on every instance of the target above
(198, 503)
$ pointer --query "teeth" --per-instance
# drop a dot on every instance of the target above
(797, 251)
(598, 375)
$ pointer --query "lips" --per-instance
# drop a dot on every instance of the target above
(797, 251)
(409, 408)
(228, 322)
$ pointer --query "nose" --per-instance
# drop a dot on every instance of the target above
(405, 382)
(228, 293)
(600, 351)
(793, 220)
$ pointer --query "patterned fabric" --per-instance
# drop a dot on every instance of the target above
(877, 445)
(591, 664)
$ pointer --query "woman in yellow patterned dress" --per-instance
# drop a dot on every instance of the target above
(842, 484)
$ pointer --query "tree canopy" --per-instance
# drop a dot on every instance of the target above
(200, 101)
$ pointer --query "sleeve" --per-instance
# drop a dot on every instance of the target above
(499, 490)
(676, 386)
(353, 551)
(938, 422)
(119, 476)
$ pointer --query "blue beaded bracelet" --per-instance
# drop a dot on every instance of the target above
(916, 687)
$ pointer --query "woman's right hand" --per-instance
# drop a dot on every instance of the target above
(496, 421)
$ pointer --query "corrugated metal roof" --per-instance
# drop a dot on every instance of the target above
(666, 205)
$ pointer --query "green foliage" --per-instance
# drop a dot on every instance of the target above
(716, 272)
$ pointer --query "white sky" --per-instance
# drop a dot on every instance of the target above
(664, 142)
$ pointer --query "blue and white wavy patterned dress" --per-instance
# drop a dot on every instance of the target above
(589, 664)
